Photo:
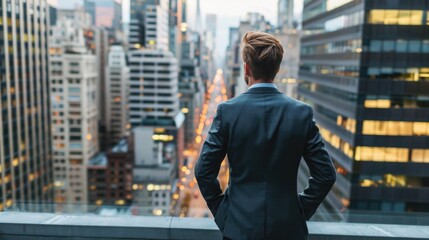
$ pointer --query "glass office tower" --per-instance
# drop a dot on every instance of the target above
(25, 127)
(365, 70)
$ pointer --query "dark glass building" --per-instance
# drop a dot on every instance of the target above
(25, 127)
(365, 70)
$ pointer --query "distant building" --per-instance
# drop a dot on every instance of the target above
(149, 25)
(365, 70)
(116, 95)
(106, 14)
(53, 12)
(286, 78)
(73, 78)
(211, 25)
(89, 6)
(233, 61)
(153, 86)
(25, 123)
(285, 14)
(155, 171)
(110, 176)
(96, 40)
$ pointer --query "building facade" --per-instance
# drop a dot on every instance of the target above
(149, 21)
(116, 94)
(110, 176)
(153, 86)
(364, 69)
(73, 77)
(25, 122)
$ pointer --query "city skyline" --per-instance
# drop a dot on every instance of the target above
(226, 17)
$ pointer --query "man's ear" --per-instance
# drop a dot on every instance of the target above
(247, 70)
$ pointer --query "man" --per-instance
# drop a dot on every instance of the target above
(265, 134)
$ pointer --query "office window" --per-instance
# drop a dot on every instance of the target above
(381, 154)
(415, 46)
(396, 17)
(388, 46)
(375, 46)
(401, 45)
(420, 155)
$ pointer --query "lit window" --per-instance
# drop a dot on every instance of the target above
(380, 154)
(379, 103)
(396, 17)
(420, 155)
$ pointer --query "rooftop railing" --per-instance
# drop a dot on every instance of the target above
(47, 226)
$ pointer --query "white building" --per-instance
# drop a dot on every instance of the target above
(152, 173)
(153, 86)
(116, 93)
(73, 76)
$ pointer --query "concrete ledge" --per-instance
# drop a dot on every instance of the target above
(17, 226)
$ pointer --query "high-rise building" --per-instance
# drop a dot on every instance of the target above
(25, 124)
(96, 41)
(149, 24)
(232, 61)
(286, 78)
(173, 23)
(211, 25)
(73, 77)
(52, 15)
(106, 14)
(89, 7)
(153, 86)
(116, 95)
(365, 69)
(285, 13)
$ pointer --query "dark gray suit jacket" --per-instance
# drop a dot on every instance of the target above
(264, 134)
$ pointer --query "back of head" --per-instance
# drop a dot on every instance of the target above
(263, 53)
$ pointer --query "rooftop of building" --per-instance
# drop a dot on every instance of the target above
(122, 146)
(100, 159)
(23, 225)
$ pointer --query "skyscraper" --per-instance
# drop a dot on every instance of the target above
(106, 14)
(149, 24)
(116, 95)
(285, 13)
(365, 69)
(25, 123)
(232, 61)
(211, 25)
(153, 86)
(74, 112)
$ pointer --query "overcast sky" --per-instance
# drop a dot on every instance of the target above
(229, 13)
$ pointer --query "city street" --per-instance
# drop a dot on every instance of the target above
(190, 203)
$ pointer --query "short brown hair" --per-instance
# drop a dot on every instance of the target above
(263, 53)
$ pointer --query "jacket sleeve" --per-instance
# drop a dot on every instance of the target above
(322, 171)
(207, 168)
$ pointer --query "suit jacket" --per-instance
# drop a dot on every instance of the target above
(264, 134)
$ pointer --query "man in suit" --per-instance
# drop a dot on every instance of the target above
(264, 134)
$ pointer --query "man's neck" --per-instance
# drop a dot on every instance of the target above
(252, 82)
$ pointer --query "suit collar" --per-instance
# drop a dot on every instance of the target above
(262, 90)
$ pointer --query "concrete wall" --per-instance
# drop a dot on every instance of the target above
(17, 226)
